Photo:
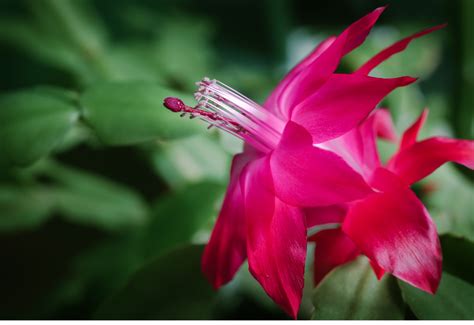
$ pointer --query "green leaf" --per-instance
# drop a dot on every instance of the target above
(454, 219)
(170, 287)
(131, 112)
(176, 36)
(73, 22)
(32, 123)
(23, 207)
(453, 300)
(91, 199)
(89, 278)
(353, 292)
(192, 159)
(181, 215)
(458, 257)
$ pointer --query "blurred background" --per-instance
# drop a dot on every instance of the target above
(106, 199)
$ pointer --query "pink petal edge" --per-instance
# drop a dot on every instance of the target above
(342, 103)
(276, 242)
(422, 158)
(226, 250)
(333, 248)
(394, 49)
(307, 176)
(394, 230)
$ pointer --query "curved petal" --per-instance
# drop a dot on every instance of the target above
(333, 248)
(276, 242)
(319, 71)
(343, 102)
(395, 231)
(274, 102)
(317, 216)
(384, 127)
(379, 272)
(359, 146)
(393, 49)
(411, 134)
(307, 176)
(424, 157)
(226, 250)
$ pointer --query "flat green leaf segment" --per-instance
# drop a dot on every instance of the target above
(131, 112)
(453, 300)
(353, 292)
(179, 216)
(452, 218)
(33, 123)
(77, 195)
(458, 257)
(23, 207)
(190, 160)
(170, 287)
(93, 200)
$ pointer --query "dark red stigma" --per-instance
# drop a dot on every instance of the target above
(174, 104)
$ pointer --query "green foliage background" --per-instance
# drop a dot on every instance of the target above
(106, 198)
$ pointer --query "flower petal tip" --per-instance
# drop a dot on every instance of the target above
(405, 81)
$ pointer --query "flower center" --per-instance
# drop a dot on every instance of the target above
(225, 108)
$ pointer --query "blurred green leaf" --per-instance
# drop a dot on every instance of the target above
(92, 280)
(134, 61)
(177, 37)
(131, 112)
(65, 34)
(71, 21)
(193, 159)
(23, 207)
(450, 202)
(353, 292)
(463, 99)
(170, 287)
(32, 123)
(39, 45)
(90, 199)
(181, 215)
(458, 257)
(453, 300)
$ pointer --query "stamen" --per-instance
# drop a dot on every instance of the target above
(177, 105)
(223, 107)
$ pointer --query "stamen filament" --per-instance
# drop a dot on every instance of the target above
(223, 107)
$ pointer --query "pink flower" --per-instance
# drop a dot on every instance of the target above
(286, 168)
(391, 226)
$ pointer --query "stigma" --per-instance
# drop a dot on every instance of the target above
(225, 108)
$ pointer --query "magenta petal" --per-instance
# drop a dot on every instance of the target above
(395, 231)
(411, 134)
(319, 71)
(317, 216)
(277, 102)
(359, 146)
(393, 49)
(384, 127)
(379, 272)
(276, 242)
(333, 248)
(343, 102)
(307, 176)
(422, 158)
(226, 250)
